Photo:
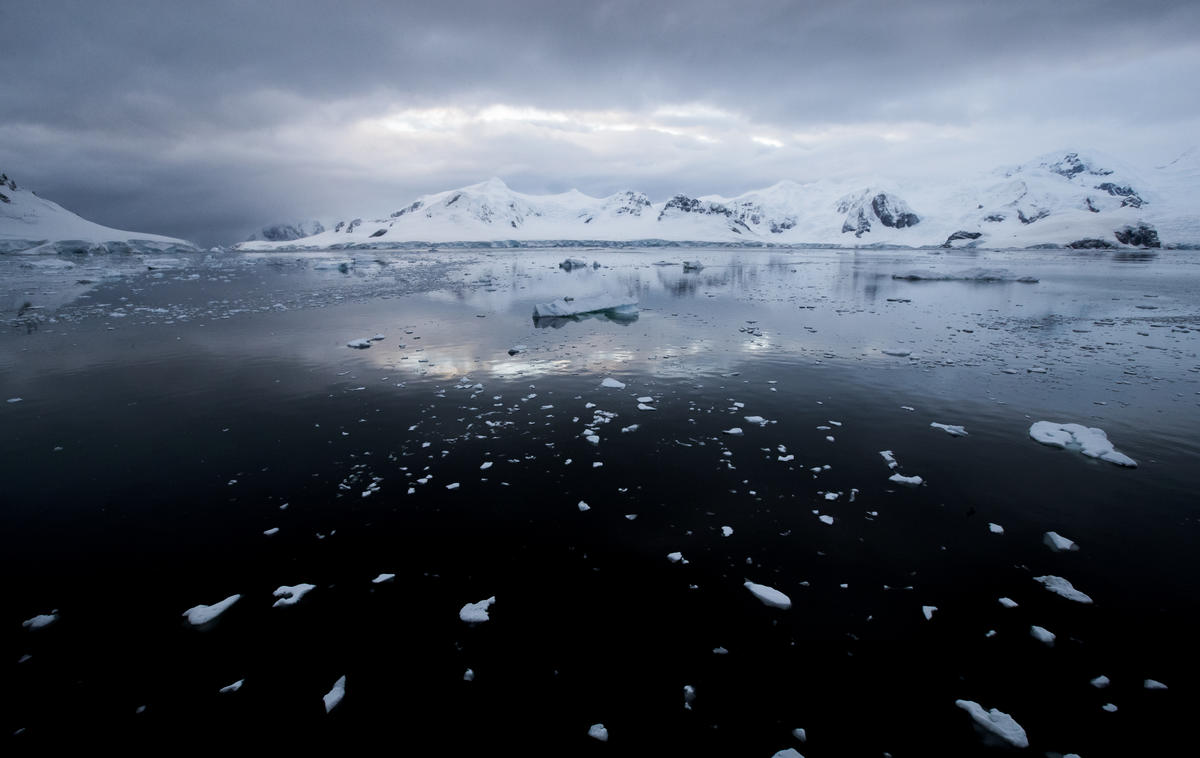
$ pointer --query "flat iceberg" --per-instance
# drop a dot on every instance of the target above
(612, 383)
(911, 481)
(1058, 543)
(202, 614)
(477, 613)
(335, 695)
(1060, 586)
(291, 595)
(1090, 441)
(951, 429)
(40, 620)
(998, 723)
(769, 595)
(599, 303)
(598, 732)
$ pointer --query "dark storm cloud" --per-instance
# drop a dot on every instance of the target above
(181, 99)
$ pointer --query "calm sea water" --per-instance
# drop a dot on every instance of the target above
(170, 416)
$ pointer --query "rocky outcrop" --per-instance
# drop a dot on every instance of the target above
(865, 207)
(1071, 165)
(961, 235)
(288, 232)
(1142, 235)
(1130, 198)
(1090, 244)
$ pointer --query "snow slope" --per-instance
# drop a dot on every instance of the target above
(30, 224)
(1062, 199)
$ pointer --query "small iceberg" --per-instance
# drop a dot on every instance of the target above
(335, 695)
(769, 595)
(571, 264)
(1063, 588)
(202, 614)
(1090, 441)
(998, 723)
(476, 613)
(607, 304)
(951, 429)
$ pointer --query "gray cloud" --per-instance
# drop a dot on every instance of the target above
(207, 119)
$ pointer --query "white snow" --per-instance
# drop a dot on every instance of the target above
(580, 306)
(911, 481)
(998, 723)
(476, 613)
(335, 695)
(1090, 441)
(1060, 586)
(951, 429)
(39, 621)
(613, 383)
(291, 595)
(202, 614)
(769, 595)
(1058, 543)
(1042, 634)
(598, 732)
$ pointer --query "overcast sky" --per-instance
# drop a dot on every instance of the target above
(206, 120)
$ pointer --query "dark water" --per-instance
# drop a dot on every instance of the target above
(168, 415)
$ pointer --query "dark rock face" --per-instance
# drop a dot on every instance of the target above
(891, 215)
(353, 225)
(379, 232)
(1143, 235)
(6, 182)
(1131, 197)
(1037, 215)
(995, 218)
(1072, 165)
(339, 226)
(1090, 244)
(686, 204)
(631, 203)
(961, 235)
(1091, 206)
(415, 206)
(858, 224)
(778, 227)
(288, 232)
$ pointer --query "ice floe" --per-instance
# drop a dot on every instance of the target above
(476, 613)
(788, 752)
(40, 621)
(600, 303)
(612, 383)
(383, 578)
(1042, 634)
(1058, 543)
(890, 458)
(997, 722)
(951, 429)
(202, 614)
(232, 687)
(1008, 602)
(335, 695)
(928, 610)
(291, 595)
(911, 481)
(1101, 682)
(769, 595)
(598, 732)
(726, 531)
(1151, 684)
(1090, 441)
(735, 431)
(995, 528)
(1060, 586)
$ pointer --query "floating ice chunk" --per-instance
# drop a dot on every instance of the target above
(726, 531)
(584, 506)
(998, 723)
(476, 613)
(911, 481)
(689, 696)
(897, 352)
(676, 557)
(383, 578)
(583, 305)
(468, 675)
(646, 399)
(800, 734)
(202, 614)
(756, 420)
(928, 611)
(39, 621)
(359, 344)
(485, 465)
(692, 265)
(1101, 682)
(827, 520)
(517, 349)
(1060, 586)
(630, 428)
(232, 687)
(769, 595)
(995, 528)
(1058, 543)
(1151, 684)
(571, 263)
(598, 732)
(787, 458)
(613, 383)
(335, 695)
(736, 431)
(452, 486)
(291, 595)
(1090, 441)
(272, 531)
(1042, 634)
(1110, 707)
(14, 400)
(595, 438)
(1008, 602)
(951, 429)
(789, 752)
(889, 457)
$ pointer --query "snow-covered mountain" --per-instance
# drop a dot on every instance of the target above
(287, 232)
(30, 224)
(1063, 199)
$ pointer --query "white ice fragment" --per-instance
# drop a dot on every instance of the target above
(564, 307)
(995, 528)
(889, 457)
(789, 752)
(1090, 441)
(928, 611)
(689, 696)
(598, 732)
(630, 428)
(468, 675)
(452, 486)
(1058, 543)
(1042, 634)
(291, 595)
(595, 438)
(726, 531)
(272, 531)
(769, 595)
(476, 613)
(1060, 586)
(383, 578)
(1008, 602)
(1101, 682)
(897, 352)
(39, 621)
(756, 420)
(911, 481)
(232, 687)
(485, 465)
(1151, 684)
(646, 399)
(827, 520)
(584, 506)
(644, 407)
(202, 614)
(800, 734)
(14, 400)
(1110, 707)
(737, 430)
(359, 344)
(613, 383)
(676, 557)
(951, 429)
(998, 723)
(335, 695)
